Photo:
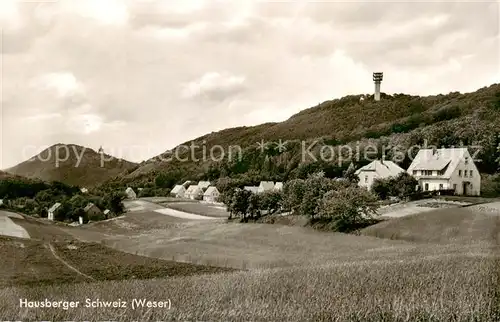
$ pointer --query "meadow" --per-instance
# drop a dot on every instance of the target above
(289, 273)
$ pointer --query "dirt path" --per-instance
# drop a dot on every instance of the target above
(9, 228)
(52, 249)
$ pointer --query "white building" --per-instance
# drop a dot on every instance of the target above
(265, 186)
(252, 189)
(106, 212)
(178, 191)
(130, 193)
(84, 190)
(51, 211)
(204, 184)
(278, 186)
(378, 169)
(438, 169)
(193, 192)
(211, 194)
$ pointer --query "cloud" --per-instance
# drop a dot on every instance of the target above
(121, 73)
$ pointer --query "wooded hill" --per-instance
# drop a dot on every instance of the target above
(396, 120)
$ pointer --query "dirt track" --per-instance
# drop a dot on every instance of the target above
(9, 228)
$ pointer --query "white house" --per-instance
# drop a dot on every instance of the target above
(204, 184)
(251, 189)
(278, 186)
(193, 192)
(178, 191)
(84, 190)
(211, 194)
(50, 212)
(106, 212)
(130, 193)
(265, 186)
(438, 169)
(187, 183)
(378, 169)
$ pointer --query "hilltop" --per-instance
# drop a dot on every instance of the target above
(396, 120)
(72, 164)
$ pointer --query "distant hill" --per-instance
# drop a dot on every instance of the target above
(72, 164)
(399, 119)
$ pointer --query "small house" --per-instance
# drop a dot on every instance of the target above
(84, 190)
(278, 186)
(92, 211)
(178, 191)
(130, 193)
(193, 192)
(378, 169)
(106, 212)
(252, 189)
(52, 210)
(265, 186)
(204, 184)
(211, 194)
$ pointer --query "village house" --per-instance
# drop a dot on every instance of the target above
(92, 211)
(203, 184)
(84, 190)
(211, 194)
(446, 169)
(130, 193)
(178, 191)
(52, 210)
(106, 212)
(278, 186)
(252, 189)
(378, 169)
(265, 186)
(193, 192)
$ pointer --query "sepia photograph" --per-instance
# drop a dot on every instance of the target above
(250, 160)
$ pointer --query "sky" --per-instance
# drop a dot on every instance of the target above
(140, 77)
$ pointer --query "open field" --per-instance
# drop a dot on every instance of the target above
(434, 266)
(202, 209)
(9, 227)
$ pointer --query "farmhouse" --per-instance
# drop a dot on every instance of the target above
(446, 169)
(278, 186)
(251, 189)
(265, 186)
(203, 184)
(211, 194)
(378, 169)
(130, 193)
(51, 211)
(193, 192)
(178, 191)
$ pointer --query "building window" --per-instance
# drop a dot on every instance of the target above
(470, 173)
(414, 172)
(459, 173)
(440, 186)
(366, 179)
(465, 173)
(455, 187)
(466, 160)
(426, 187)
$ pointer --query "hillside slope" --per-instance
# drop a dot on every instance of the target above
(72, 164)
(396, 120)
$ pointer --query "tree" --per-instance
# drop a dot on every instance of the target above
(254, 205)
(350, 174)
(271, 201)
(293, 194)
(240, 202)
(405, 185)
(348, 209)
(382, 188)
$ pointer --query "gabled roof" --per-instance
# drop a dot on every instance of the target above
(204, 184)
(178, 188)
(266, 185)
(439, 159)
(210, 191)
(251, 189)
(89, 206)
(383, 169)
(107, 211)
(54, 207)
(193, 189)
(129, 190)
(278, 186)
(186, 182)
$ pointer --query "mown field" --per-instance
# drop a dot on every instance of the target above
(200, 209)
(294, 273)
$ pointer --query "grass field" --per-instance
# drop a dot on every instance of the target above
(442, 265)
